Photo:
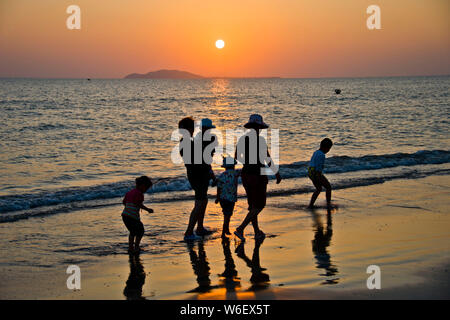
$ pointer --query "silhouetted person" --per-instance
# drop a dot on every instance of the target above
(136, 279)
(315, 172)
(199, 172)
(133, 203)
(252, 152)
(227, 185)
(320, 243)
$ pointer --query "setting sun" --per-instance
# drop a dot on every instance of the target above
(220, 44)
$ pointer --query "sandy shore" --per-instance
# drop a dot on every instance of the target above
(403, 226)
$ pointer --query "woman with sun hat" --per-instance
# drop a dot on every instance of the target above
(250, 148)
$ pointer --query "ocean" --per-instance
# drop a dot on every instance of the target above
(68, 144)
(71, 149)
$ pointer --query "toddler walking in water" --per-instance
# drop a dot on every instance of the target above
(227, 192)
(315, 172)
(134, 202)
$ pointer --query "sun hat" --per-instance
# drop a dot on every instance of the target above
(256, 121)
(207, 123)
(228, 162)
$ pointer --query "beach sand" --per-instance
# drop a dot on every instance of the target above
(402, 226)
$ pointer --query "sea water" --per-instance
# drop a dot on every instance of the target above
(70, 149)
(74, 143)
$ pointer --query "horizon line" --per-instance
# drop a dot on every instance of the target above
(227, 77)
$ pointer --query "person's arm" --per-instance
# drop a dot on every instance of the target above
(277, 175)
(321, 163)
(142, 206)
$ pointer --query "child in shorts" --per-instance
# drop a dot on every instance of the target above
(315, 172)
(133, 203)
(227, 183)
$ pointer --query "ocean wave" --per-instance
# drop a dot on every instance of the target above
(341, 164)
(14, 207)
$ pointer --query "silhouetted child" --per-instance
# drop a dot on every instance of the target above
(227, 184)
(134, 202)
(315, 172)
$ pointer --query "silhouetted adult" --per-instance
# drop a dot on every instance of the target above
(252, 152)
(197, 155)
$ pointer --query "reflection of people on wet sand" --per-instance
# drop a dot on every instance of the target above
(229, 279)
(259, 279)
(320, 243)
(201, 267)
(136, 279)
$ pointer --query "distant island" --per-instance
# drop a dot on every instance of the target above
(177, 74)
(164, 74)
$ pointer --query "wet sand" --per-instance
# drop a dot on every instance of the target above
(403, 226)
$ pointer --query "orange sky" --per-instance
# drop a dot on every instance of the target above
(288, 38)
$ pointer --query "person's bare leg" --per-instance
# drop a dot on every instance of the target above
(193, 218)
(201, 213)
(137, 242)
(314, 198)
(252, 214)
(226, 226)
(255, 225)
(328, 193)
(327, 186)
(130, 242)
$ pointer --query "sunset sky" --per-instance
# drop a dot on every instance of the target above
(287, 38)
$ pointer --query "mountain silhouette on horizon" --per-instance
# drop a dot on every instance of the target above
(164, 74)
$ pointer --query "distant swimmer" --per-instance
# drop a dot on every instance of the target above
(338, 91)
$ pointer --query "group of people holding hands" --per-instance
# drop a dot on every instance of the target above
(251, 151)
